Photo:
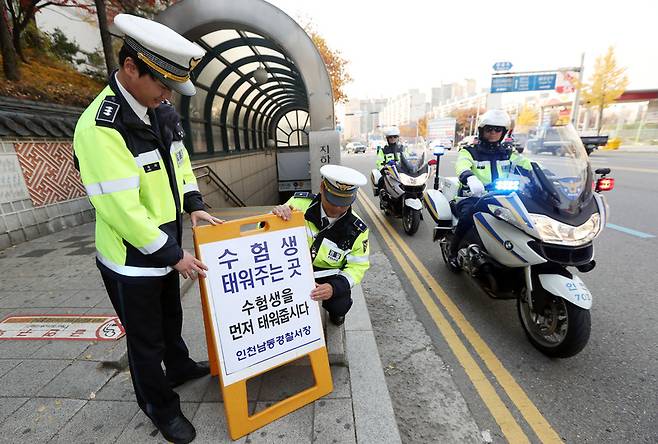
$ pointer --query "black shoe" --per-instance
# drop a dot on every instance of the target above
(337, 320)
(453, 263)
(375, 191)
(178, 430)
(201, 368)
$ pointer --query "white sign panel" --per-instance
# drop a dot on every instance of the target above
(259, 300)
(12, 185)
(324, 149)
(62, 327)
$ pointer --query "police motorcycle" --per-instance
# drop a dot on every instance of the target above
(404, 184)
(530, 230)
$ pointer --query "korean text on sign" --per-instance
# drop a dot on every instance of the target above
(260, 292)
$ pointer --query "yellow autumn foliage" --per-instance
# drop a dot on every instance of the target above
(48, 80)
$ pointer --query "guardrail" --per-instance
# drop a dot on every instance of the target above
(219, 183)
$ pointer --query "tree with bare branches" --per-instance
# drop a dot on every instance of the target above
(22, 13)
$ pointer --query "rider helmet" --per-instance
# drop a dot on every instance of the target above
(495, 120)
(390, 132)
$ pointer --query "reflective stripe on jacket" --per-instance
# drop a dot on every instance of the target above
(344, 251)
(488, 166)
(136, 186)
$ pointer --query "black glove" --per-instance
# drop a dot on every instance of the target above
(169, 123)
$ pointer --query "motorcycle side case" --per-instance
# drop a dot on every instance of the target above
(438, 206)
(572, 290)
(375, 174)
(505, 243)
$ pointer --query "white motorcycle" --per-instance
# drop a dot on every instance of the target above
(527, 230)
(404, 184)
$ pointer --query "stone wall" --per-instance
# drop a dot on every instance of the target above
(252, 176)
(40, 190)
(41, 193)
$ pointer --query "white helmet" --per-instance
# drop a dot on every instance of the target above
(495, 117)
(392, 131)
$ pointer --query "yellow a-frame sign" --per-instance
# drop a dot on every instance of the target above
(257, 311)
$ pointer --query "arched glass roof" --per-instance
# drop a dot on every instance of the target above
(231, 112)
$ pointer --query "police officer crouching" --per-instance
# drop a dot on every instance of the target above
(137, 173)
(337, 237)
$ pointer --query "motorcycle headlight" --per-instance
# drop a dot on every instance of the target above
(555, 232)
(407, 180)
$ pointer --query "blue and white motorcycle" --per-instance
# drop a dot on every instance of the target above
(404, 184)
(529, 230)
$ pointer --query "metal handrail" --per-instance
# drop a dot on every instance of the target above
(219, 183)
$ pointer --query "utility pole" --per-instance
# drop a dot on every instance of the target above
(576, 100)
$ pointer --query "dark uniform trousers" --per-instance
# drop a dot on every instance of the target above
(152, 315)
(465, 209)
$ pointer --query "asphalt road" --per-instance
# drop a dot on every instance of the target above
(607, 393)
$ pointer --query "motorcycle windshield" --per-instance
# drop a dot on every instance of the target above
(413, 160)
(560, 175)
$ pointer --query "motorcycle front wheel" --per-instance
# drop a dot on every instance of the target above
(560, 331)
(410, 220)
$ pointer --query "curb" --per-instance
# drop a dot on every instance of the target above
(374, 418)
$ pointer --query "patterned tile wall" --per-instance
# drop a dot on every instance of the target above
(49, 172)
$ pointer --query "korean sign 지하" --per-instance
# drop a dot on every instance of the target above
(258, 289)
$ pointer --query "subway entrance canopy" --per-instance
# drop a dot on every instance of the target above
(236, 111)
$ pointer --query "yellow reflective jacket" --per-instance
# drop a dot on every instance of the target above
(387, 153)
(138, 185)
(488, 165)
(344, 249)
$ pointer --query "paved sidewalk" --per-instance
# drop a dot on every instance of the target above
(77, 391)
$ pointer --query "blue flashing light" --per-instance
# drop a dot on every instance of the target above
(507, 185)
(439, 150)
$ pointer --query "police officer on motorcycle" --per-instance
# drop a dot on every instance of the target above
(390, 151)
(479, 165)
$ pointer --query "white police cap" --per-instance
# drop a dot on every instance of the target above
(169, 55)
(341, 184)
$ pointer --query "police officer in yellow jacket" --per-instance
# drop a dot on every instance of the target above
(132, 161)
(337, 237)
(479, 165)
(390, 152)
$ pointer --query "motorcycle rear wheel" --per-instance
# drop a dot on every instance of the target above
(561, 331)
(410, 220)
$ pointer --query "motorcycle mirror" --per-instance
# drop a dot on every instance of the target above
(602, 171)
